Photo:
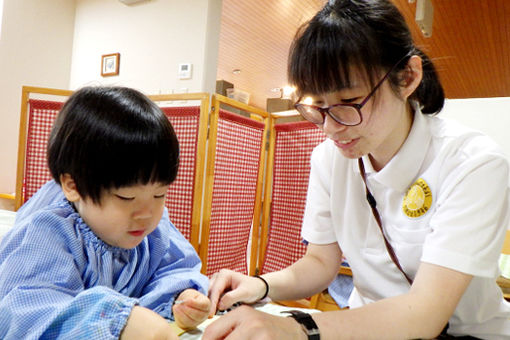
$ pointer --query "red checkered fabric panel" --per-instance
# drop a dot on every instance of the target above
(42, 113)
(179, 200)
(293, 148)
(239, 141)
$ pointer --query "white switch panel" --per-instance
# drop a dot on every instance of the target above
(185, 71)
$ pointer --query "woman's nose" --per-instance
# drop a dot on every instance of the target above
(331, 127)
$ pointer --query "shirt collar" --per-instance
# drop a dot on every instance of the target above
(404, 167)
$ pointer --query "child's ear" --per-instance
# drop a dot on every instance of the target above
(69, 188)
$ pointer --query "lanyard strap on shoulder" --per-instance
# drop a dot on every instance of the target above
(373, 204)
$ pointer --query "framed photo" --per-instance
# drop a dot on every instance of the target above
(110, 64)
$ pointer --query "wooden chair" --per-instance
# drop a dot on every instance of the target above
(184, 197)
(504, 282)
(233, 187)
(7, 201)
(39, 107)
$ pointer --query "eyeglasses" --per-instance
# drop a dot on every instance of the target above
(345, 114)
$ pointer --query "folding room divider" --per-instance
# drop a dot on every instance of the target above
(39, 107)
(286, 185)
(233, 190)
(184, 197)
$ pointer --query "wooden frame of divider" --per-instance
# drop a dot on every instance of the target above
(204, 99)
(23, 131)
(257, 114)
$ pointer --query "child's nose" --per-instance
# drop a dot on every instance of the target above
(143, 212)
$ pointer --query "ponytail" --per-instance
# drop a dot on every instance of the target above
(430, 92)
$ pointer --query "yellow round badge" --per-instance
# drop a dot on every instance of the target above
(418, 199)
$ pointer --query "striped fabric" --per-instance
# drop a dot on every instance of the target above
(179, 200)
(42, 113)
(238, 147)
(293, 148)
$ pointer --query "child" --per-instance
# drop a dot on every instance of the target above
(93, 253)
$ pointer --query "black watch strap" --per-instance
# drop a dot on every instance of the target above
(305, 319)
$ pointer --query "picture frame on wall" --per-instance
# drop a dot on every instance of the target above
(110, 64)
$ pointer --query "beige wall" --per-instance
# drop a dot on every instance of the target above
(35, 49)
(59, 43)
(488, 115)
(152, 38)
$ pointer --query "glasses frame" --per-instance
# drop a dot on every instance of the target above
(356, 106)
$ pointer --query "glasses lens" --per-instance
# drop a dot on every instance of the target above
(345, 114)
(310, 114)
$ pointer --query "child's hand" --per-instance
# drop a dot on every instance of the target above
(146, 324)
(191, 308)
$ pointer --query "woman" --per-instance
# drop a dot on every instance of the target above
(436, 190)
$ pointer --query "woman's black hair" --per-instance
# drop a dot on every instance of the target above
(110, 137)
(370, 35)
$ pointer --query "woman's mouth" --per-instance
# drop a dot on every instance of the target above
(346, 143)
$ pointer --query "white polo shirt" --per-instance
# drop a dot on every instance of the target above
(443, 199)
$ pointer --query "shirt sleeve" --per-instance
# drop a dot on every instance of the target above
(178, 268)
(42, 293)
(469, 225)
(317, 224)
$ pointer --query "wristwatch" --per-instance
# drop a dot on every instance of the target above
(310, 327)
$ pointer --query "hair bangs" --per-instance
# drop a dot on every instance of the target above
(139, 150)
(328, 50)
(144, 159)
(112, 137)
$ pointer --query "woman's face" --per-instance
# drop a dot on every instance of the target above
(386, 121)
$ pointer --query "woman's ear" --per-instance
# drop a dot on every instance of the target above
(69, 188)
(412, 76)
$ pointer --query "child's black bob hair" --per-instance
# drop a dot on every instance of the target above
(370, 35)
(110, 137)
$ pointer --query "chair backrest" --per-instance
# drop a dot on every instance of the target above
(184, 197)
(506, 244)
(36, 121)
(235, 166)
(288, 170)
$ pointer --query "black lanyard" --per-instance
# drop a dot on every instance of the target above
(389, 248)
(373, 203)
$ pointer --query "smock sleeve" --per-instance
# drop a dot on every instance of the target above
(42, 295)
(178, 268)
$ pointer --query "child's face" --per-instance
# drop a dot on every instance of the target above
(126, 215)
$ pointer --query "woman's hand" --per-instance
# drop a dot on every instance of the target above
(245, 323)
(146, 324)
(192, 308)
(228, 287)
